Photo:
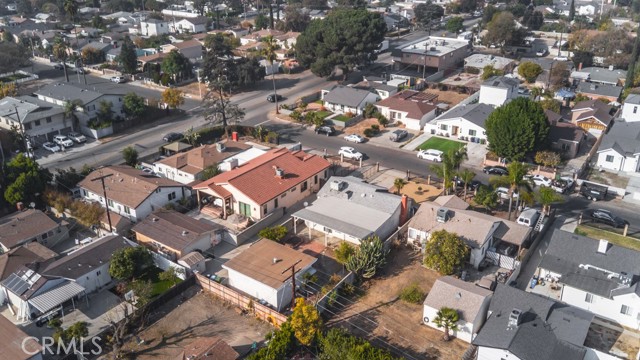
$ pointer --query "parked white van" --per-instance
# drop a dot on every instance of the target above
(529, 217)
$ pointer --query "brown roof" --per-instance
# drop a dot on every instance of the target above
(14, 341)
(210, 348)
(565, 131)
(127, 186)
(593, 109)
(451, 202)
(415, 104)
(25, 225)
(27, 254)
(152, 57)
(257, 263)
(196, 160)
(173, 229)
(552, 116)
(256, 178)
(187, 44)
(192, 258)
(465, 297)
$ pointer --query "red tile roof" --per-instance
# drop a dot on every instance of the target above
(415, 104)
(256, 179)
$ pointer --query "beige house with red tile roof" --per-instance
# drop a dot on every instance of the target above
(279, 178)
(412, 108)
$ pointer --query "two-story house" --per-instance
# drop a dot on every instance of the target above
(620, 148)
(131, 193)
(193, 25)
(413, 108)
(631, 108)
(595, 275)
(592, 115)
(151, 27)
(498, 90)
(39, 120)
(191, 49)
(344, 99)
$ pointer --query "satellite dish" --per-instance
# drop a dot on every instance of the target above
(32, 205)
(305, 204)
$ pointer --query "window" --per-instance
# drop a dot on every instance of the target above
(293, 189)
(27, 126)
(635, 109)
(315, 179)
(626, 310)
(158, 190)
(110, 202)
(303, 187)
(609, 158)
(127, 210)
(325, 174)
(283, 195)
(472, 133)
(44, 236)
(171, 196)
(98, 273)
(37, 123)
(275, 204)
(443, 127)
(48, 119)
(588, 298)
(264, 210)
(564, 147)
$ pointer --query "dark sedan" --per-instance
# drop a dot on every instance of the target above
(472, 185)
(606, 217)
(273, 97)
(171, 137)
(495, 170)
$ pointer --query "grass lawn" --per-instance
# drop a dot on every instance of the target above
(441, 144)
(323, 113)
(594, 233)
(13, 77)
(341, 117)
(319, 102)
(159, 286)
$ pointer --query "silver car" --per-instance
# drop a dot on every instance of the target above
(51, 147)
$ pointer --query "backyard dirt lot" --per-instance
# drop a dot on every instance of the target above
(392, 323)
(200, 315)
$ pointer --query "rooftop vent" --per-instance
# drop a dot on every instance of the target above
(154, 219)
(337, 185)
(515, 318)
(602, 246)
(279, 172)
(220, 147)
(275, 260)
(184, 232)
(442, 215)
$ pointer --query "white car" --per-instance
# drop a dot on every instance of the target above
(51, 147)
(561, 58)
(118, 79)
(540, 180)
(431, 155)
(62, 141)
(354, 138)
(79, 138)
(350, 153)
(562, 185)
(503, 193)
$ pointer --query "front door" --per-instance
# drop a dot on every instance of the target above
(454, 131)
(245, 209)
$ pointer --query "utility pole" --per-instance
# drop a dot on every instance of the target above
(106, 200)
(27, 144)
(293, 280)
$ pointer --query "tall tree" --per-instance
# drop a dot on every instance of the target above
(502, 31)
(529, 71)
(455, 24)
(173, 98)
(305, 321)
(130, 156)
(70, 108)
(427, 14)
(133, 105)
(71, 8)
(632, 64)
(451, 161)
(128, 58)
(294, 20)
(24, 180)
(466, 176)
(447, 318)
(269, 52)
(515, 180)
(572, 10)
(218, 109)
(445, 252)
(261, 22)
(176, 65)
(130, 262)
(60, 53)
(517, 128)
(548, 196)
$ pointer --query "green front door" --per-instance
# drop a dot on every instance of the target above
(245, 209)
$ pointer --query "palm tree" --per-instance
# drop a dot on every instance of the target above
(445, 170)
(71, 8)
(447, 318)
(269, 53)
(457, 156)
(548, 196)
(514, 180)
(399, 183)
(69, 108)
(466, 176)
(60, 52)
(191, 136)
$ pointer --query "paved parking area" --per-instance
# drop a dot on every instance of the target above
(46, 157)
(383, 138)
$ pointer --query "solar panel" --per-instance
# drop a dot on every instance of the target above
(16, 284)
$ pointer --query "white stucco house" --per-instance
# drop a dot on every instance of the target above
(260, 271)
(413, 108)
(194, 25)
(469, 300)
(36, 118)
(498, 90)
(151, 27)
(620, 148)
(131, 193)
(464, 122)
(595, 275)
(631, 108)
(344, 99)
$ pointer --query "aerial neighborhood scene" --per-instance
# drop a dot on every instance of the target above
(313, 179)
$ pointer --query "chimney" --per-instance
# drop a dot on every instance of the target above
(603, 245)
(20, 206)
(515, 319)
(279, 172)
(580, 67)
(220, 147)
(404, 211)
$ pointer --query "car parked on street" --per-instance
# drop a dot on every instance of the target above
(327, 130)
(539, 180)
(272, 98)
(58, 67)
(606, 217)
(431, 155)
(495, 170)
(118, 79)
(398, 135)
(172, 136)
(77, 137)
(503, 193)
(51, 147)
(354, 138)
(472, 185)
(350, 153)
(62, 140)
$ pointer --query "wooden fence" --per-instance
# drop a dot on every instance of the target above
(240, 300)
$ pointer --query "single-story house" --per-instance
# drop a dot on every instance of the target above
(498, 90)
(278, 178)
(191, 49)
(174, 234)
(464, 122)
(344, 99)
(261, 271)
(600, 75)
(16, 344)
(469, 300)
(349, 209)
(28, 253)
(599, 91)
(592, 115)
(477, 62)
(620, 148)
(595, 275)
(257, 36)
(564, 137)
(31, 225)
(412, 108)
(131, 193)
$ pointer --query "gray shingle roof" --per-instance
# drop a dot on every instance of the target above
(501, 82)
(633, 99)
(623, 137)
(347, 96)
(29, 108)
(465, 297)
(476, 113)
(567, 252)
(603, 75)
(599, 89)
(66, 92)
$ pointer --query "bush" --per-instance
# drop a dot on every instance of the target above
(275, 233)
(382, 120)
(369, 133)
(349, 114)
(412, 294)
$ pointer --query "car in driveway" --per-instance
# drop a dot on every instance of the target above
(51, 147)
(62, 140)
(118, 79)
(172, 136)
(398, 135)
(562, 185)
(272, 98)
(539, 180)
(495, 170)
(77, 137)
(354, 138)
(606, 217)
(431, 155)
(350, 153)
(503, 193)
(327, 130)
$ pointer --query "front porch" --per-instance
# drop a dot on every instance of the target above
(215, 202)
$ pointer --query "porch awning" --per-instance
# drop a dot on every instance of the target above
(56, 296)
(216, 190)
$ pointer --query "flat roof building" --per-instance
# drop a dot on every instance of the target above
(431, 54)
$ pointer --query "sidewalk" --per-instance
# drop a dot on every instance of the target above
(417, 141)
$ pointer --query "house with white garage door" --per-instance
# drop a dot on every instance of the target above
(620, 148)
(39, 120)
(464, 122)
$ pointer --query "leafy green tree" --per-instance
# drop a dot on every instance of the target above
(173, 98)
(69, 111)
(486, 197)
(76, 331)
(427, 14)
(171, 275)
(130, 156)
(455, 24)
(516, 128)
(572, 10)
(368, 258)
(338, 344)
(134, 105)
(631, 70)
(176, 65)
(105, 111)
(502, 31)
(412, 294)
(445, 252)
(66, 180)
(281, 345)
(344, 252)
(59, 50)
(488, 14)
(88, 214)
(451, 161)
(529, 71)
(515, 180)
(548, 158)
(128, 58)
(209, 172)
(191, 136)
(489, 71)
(274, 233)
(269, 53)
(305, 321)
(339, 41)
(447, 318)
(547, 196)
(294, 19)
(23, 7)
(130, 262)
(551, 104)
(261, 22)
(399, 183)
(24, 180)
